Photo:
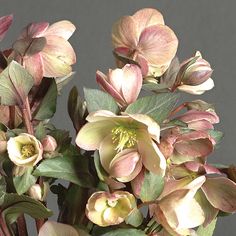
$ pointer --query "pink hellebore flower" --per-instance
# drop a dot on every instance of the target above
(122, 84)
(5, 23)
(125, 143)
(44, 50)
(145, 38)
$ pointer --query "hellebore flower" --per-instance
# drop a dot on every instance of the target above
(5, 23)
(57, 229)
(194, 75)
(145, 39)
(105, 209)
(49, 144)
(122, 84)
(125, 143)
(24, 150)
(39, 193)
(178, 211)
(44, 50)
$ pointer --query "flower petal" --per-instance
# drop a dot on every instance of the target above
(221, 193)
(5, 23)
(34, 30)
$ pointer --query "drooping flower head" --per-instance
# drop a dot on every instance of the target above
(146, 39)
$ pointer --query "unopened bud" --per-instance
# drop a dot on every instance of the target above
(39, 193)
(49, 144)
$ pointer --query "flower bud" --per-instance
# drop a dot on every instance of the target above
(24, 150)
(105, 209)
(3, 142)
(39, 193)
(194, 75)
(49, 144)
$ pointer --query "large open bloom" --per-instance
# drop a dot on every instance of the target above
(44, 50)
(125, 143)
(145, 38)
(122, 84)
(24, 150)
(105, 209)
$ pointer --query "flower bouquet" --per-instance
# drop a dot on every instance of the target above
(139, 164)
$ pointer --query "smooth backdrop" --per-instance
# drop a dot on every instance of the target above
(205, 25)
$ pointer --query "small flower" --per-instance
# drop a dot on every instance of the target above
(51, 228)
(24, 150)
(39, 193)
(44, 50)
(122, 84)
(49, 144)
(145, 38)
(194, 75)
(125, 143)
(105, 209)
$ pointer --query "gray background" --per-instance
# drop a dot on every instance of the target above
(205, 25)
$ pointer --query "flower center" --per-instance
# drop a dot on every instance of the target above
(124, 137)
(27, 150)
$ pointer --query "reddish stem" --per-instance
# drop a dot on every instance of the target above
(11, 117)
(21, 224)
(177, 109)
(4, 227)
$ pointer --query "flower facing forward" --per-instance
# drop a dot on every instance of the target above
(145, 38)
(105, 209)
(24, 150)
(44, 50)
(122, 84)
(194, 75)
(125, 143)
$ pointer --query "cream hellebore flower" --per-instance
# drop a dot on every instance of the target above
(44, 50)
(51, 228)
(123, 85)
(195, 75)
(24, 150)
(145, 38)
(39, 193)
(125, 143)
(105, 209)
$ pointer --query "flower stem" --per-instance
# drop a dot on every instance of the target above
(177, 109)
(11, 117)
(4, 227)
(21, 224)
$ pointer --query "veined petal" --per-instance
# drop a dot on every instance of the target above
(100, 115)
(34, 30)
(62, 29)
(92, 134)
(221, 193)
(5, 23)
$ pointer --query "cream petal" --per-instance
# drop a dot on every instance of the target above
(116, 77)
(92, 134)
(101, 115)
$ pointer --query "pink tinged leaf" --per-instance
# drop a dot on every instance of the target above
(147, 17)
(63, 29)
(221, 193)
(5, 23)
(34, 30)
(158, 44)
(131, 82)
(126, 165)
(124, 33)
(102, 81)
(34, 66)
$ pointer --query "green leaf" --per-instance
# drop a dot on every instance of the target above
(125, 232)
(24, 182)
(216, 135)
(98, 100)
(62, 81)
(47, 107)
(69, 168)
(207, 231)
(135, 218)
(40, 131)
(15, 84)
(156, 106)
(14, 205)
(2, 189)
(152, 186)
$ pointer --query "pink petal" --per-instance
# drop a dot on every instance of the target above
(131, 83)
(34, 30)
(221, 193)
(5, 23)
(62, 29)
(200, 125)
(137, 182)
(158, 44)
(124, 33)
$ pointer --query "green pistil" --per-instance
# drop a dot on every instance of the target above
(27, 150)
(124, 137)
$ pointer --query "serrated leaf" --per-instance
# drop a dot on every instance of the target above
(24, 182)
(98, 100)
(69, 168)
(125, 232)
(156, 106)
(152, 187)
(135, 218)
(47, 106)
(15, 84)
(15, 205)
(207, 231)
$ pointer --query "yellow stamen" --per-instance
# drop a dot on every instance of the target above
(27, 150)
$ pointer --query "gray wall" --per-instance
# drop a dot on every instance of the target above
(205, 25)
